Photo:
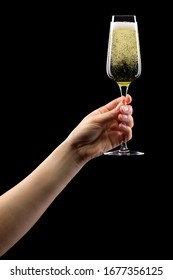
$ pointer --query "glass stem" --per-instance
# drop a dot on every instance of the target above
(123, 91)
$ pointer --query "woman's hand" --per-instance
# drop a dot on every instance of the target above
(103, 129)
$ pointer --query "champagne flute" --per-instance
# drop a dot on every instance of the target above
(123, 61)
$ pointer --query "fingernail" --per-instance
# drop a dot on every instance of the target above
(123, 126)
(125, 109)
(124, 117)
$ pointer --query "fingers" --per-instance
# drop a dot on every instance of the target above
(126, 109)
(127, 131)
(128, 99)
(126, 119)
(113, 104)
(121, 113)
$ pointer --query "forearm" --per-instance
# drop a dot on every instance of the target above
(23, 205)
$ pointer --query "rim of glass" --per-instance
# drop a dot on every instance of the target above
(129, 18)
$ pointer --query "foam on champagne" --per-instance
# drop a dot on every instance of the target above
(124, 51)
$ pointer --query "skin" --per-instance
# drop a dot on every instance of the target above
(98, 132)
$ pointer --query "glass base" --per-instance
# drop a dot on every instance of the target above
(123, 153)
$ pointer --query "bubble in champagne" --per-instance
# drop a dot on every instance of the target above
(124, 52)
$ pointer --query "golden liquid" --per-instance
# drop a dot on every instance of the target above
(123, 84)
(124, 64)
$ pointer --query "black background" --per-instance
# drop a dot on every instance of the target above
(53, 74)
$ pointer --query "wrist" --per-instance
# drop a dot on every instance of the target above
(72, 154)
(66, 159)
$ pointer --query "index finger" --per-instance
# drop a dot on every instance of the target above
(115, 103)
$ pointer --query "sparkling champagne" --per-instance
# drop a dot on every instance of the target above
(123, 60)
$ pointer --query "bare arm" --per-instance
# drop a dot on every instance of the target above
(23, 205)
(98, 132)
